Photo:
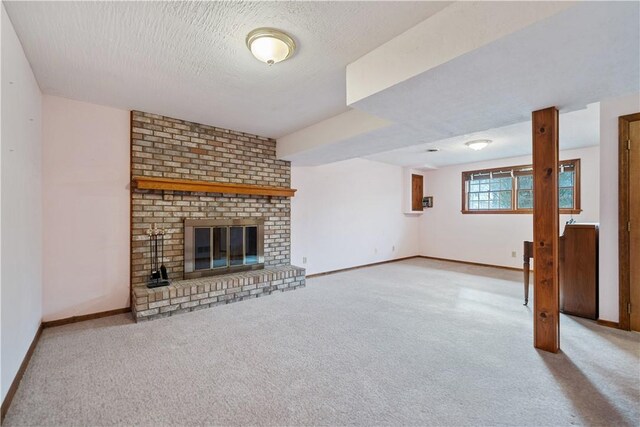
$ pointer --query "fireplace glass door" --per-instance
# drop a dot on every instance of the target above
(217, 247)
(251, 245)
(219, 258)
(202, 248)
(236, 251)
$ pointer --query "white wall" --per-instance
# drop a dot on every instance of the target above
(86, 208)
(21, 271)
(349, 213)
(490, 239)
(610, 110)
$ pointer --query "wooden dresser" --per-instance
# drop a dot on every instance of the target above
(578, 251)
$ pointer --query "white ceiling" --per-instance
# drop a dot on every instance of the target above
(579, 128)
(584, 54)
(189, 59)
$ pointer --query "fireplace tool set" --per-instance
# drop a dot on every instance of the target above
(159, 276)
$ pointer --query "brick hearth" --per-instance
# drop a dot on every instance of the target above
(195, 294)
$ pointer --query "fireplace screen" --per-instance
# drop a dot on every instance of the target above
(222, 246)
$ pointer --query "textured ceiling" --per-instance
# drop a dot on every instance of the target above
(189, 59)
(582, 55)
(579, 128)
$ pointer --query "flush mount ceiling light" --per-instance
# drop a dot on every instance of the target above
(270, 45)
(478, 144)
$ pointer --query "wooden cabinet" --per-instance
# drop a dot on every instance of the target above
(412, 191)
(578, 252)
(417, 184)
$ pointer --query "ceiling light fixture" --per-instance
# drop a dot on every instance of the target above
(478, 144)
(270, 45)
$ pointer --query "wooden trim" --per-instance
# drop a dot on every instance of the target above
(498, 212)
(514, 196)
(342, 270)
(310, 276)
(624, 263)
(624, 268)
(608, 323)
(519, 212)
(546, 302)
(155, 183)
(16, 381)
(577, 191)
(477, 264)
(25, 362)
(130, 207)
(82, 318)
(464, 193)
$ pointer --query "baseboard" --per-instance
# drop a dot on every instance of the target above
(310, 276)
(75, 319)
(16, 381)
(608, 323)
(478, 264)
(25, 362)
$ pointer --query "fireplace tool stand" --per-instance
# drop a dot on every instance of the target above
(159, 276)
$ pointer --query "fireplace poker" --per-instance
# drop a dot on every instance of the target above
(163, 269)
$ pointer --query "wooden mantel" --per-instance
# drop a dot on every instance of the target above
(156, 183)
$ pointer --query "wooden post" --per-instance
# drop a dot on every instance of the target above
(546, 302)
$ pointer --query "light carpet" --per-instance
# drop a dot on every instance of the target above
(417, 342)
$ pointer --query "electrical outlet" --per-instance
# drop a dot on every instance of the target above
(513, 254)
(375, 250)
(393, 248)
(304, 259)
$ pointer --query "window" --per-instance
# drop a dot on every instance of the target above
(510, 189)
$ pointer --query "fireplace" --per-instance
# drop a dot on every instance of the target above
(214, 247)
(224, 203)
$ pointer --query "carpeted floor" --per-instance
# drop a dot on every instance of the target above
(416, 342)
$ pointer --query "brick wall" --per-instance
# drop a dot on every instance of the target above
(172, 148)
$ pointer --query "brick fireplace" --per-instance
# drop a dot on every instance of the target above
(192, 173)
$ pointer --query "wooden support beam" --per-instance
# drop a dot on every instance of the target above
(546, 302)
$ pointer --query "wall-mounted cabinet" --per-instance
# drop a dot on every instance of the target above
(413, 191)
(417, 190)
